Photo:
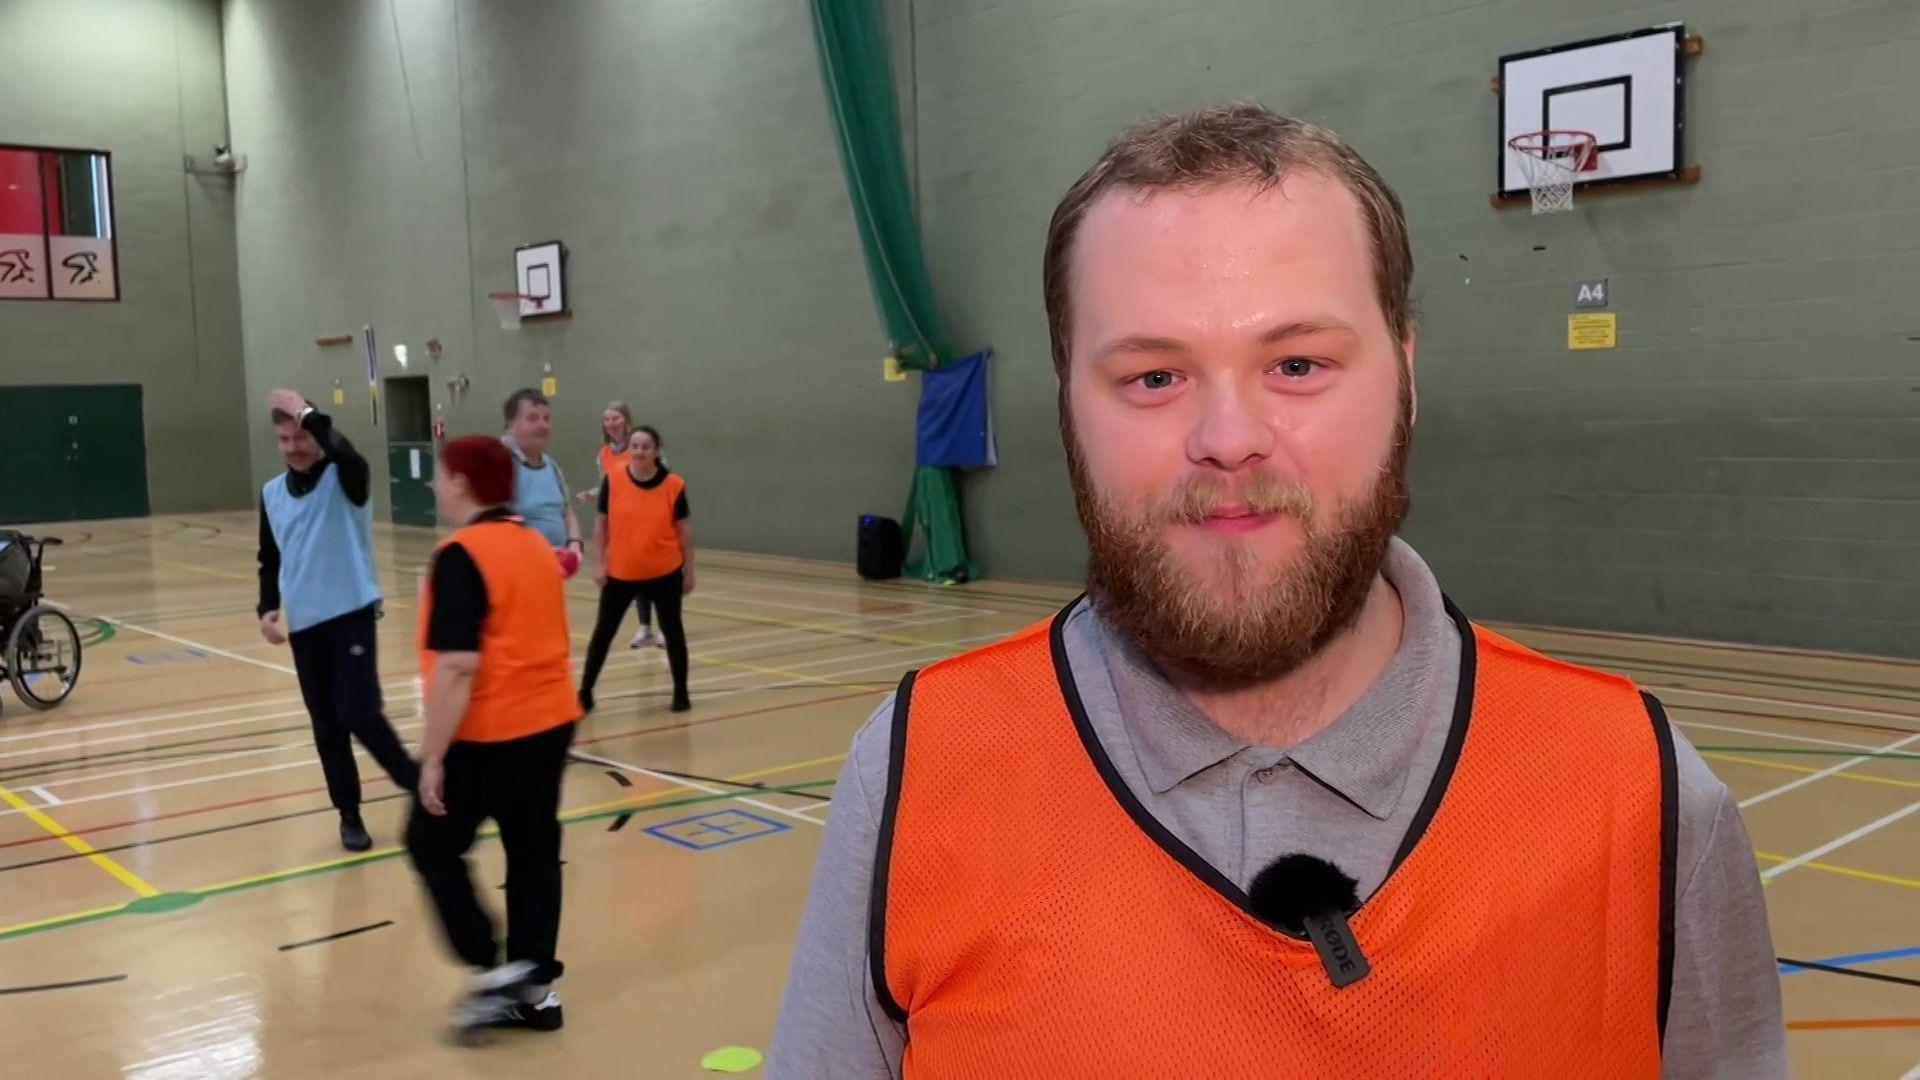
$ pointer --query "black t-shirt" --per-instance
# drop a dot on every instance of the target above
(459, 595)
(680, 511)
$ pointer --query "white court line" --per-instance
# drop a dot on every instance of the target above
(682, 781)
(1912, 1074)
(164, 636)
(46, 796)
(1843, 766)
(1796, 702)
(394, 693)
(807, 810)
(704, 686)
(727, 645)
(1833, 845)
(1775, 735)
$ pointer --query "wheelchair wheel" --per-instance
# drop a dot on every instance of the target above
(43, 656)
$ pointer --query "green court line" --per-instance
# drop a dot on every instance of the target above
(382, 856)
(1883, 755)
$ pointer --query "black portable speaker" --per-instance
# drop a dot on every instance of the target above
(881, 548)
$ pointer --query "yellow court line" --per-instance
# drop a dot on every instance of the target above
(816, 680)
(120, 873)
(1786, 767)
(198, 569)
(768, 620)
(1848, 871)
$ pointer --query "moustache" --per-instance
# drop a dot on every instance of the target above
(1201, 497)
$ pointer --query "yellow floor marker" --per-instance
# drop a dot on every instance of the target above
(120, 873)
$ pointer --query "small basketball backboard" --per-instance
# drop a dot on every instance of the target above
(539, 275)
(1626, 90)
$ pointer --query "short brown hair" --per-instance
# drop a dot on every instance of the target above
(523, 396)
(1222, 144)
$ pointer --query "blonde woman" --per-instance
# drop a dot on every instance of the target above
(616, 426)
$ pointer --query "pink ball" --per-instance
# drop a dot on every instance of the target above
(569, 561)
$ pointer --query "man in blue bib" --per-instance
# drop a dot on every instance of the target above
(540, 495)
(319, 592)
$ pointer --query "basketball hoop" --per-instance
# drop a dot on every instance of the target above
(1550, 160)
(509, 306)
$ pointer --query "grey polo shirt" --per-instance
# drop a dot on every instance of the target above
(1347, 794)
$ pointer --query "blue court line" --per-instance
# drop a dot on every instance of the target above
(1855, 959)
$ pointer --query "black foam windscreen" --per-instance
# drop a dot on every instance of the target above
(1310, 897)
(1293, 887)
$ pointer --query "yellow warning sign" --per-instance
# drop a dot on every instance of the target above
(1601, 331)
(890, 369)
(339, 396)
(549, 386)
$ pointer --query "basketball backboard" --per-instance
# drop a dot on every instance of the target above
(1626, 90)
(539, 270)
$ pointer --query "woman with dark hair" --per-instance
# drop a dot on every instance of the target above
(645, 544)
(616, 427)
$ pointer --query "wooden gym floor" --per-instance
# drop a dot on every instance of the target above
(174, 902)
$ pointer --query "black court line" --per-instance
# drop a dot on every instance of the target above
(619, 778)
(1831, 969)
(619, 822)
(743, 784)
(1744, 676)
(190, 835)
(63, 985)
(338, 936)
(37, 769)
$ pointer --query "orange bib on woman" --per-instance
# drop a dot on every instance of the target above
(642, 543)
(525, 682)
(1031, 919)
(611, 460)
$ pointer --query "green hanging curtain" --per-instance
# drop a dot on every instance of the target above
(859, 80)
(933, 510)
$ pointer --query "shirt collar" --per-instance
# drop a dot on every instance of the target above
(520, 455)
(1362, 756)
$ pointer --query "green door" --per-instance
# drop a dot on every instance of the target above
(410, 482)
(107, 436)
(410, 449)
(38, 483)
(72, 452)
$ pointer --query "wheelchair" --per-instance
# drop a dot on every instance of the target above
(39, 647)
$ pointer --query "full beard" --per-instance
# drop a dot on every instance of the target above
(1230, 621)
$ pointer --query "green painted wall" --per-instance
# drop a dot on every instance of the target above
(681, 151)
(1746, 466)
(142, 80)
(1743, 467)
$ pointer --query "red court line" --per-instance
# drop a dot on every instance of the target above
(1853, 1025)
(214, 807)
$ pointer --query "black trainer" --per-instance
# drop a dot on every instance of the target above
(680, 704)
(537, 1010)
(506, 997)
(353, 834)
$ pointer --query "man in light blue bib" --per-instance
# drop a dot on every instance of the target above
(319, 592)
(540, 495)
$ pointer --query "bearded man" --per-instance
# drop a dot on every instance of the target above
(1263, 802)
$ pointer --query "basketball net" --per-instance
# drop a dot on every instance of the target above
(1551, 161)
(506, 307)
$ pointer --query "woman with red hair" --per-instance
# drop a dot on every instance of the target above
(500, 713)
